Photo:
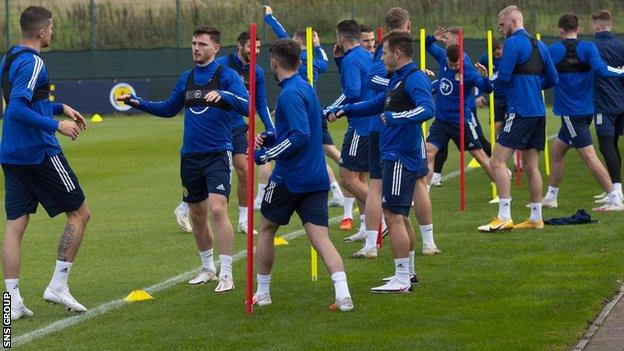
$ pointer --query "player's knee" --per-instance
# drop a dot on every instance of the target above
(218, 209)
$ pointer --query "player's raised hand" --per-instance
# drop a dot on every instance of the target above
(440, 34)
(267, 10)
(316, 41)
(213, 96)
(128, 100)
(75, 116)
(69, 129)
(428, 72)
(481, 69)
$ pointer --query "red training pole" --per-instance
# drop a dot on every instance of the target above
(518, 169)
(462, 172)
(379, 232)
(250, 167)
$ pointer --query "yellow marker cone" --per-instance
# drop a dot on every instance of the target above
(474, 164)
(96, 118)
(138, 295)
(279, 241)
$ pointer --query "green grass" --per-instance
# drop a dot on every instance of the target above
(517, 290)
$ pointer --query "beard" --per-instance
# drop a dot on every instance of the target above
(245, 56)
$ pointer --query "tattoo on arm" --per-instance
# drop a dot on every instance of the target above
(65, 242)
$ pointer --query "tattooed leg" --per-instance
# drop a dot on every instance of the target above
(72, 235)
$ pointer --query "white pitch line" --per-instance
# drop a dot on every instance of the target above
(115, 304)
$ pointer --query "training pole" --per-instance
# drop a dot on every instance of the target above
(423, 65)
(313, 255)
(462, 171)
(546, 153)
(250, 166)
(492, 122)
(379, 231)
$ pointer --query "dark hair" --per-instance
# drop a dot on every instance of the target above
(245, 37)
(287, 53)
(604, 15)
(568, 22)
(396, 18)
(452, 53)
(301, 34)
(454, 30)
(365, 29)
(400, 40)
(497, 43)
(213, 32)
(34, 19)
(349, 29)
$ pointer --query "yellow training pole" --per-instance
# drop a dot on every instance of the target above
(490, 72)
(423, 65)
(309, 58)
(546, 153)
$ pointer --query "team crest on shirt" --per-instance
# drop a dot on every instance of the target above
(117, 91)
(446, 87)
(457, 76)
(184, 191)
(197, 94)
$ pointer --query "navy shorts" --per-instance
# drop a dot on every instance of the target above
(239, 139)
(51, 183)
(575, 131)
(327, 138)
(441, 132)
(279, 204)
(609, 124)
(398, 185)
(354, 154)
(500, 112)
(374, 156)
(523, 133)
(205, 173)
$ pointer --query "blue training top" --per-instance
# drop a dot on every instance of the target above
(353, 79)
(609, 93)
(206, 129)
(28, 126)
(378, 79)
(500, 94)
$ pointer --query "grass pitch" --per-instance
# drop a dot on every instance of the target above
(519, 290)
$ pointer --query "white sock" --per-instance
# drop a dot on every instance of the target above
(260, 193)
(552, 192)
(384, 226)
(614, 198)
(371, 238)
(182, 207)
(60, 275)
(362, 223)
(536, 211)
(436, 177)
(226, 266)
(401, 266)
(12, 287)
(207, 260)
(348, 207)
(340, 284)
(335, 189)
(242, 214)
(618, 188)
(264, 282)
(504, 209)
(428, 187)
(412, 271)
(426, 231)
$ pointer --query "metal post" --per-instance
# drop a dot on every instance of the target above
(178, 25)
(92, 24)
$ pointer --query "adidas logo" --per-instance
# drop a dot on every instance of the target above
(470, 145)
(400, 265)
(64, 270)
(221, 187)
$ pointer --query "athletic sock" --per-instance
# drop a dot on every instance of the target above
(226, 266)
(207, 260)
(437, 177)
(242, 214)
(504, 209)
(552, 192)
(260, 194)
(60, 275)
(264, 283)
(348, 207)
(401, 266)
(12, 287)
(536, 211)
(384, 226)
(182, 207)
(618, 188)
(362, 223)
(371, 238)
(614, 198)
(426, 231)
(336, 191)
(340, 284)
(412, 270)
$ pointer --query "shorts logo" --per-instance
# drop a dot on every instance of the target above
(446, 87)
(185, 191)
(221, 187)
(197, 94)
(117, 91)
